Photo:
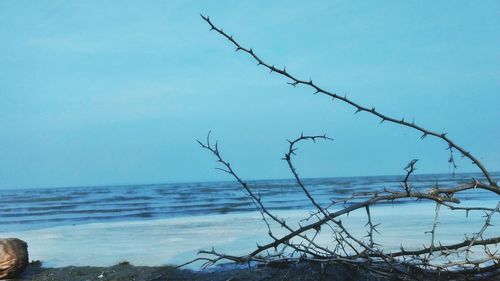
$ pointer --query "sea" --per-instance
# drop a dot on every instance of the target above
(156, 224)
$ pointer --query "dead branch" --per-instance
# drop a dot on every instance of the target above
(359, 108)
(359, 252)
(435, 259)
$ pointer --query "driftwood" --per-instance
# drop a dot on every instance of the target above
(13, 257)
(475, 256)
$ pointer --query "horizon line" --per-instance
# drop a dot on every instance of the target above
(227, 181)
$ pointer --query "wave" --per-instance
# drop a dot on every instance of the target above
(41, 208)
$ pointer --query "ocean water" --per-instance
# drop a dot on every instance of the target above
(168, 223)
(41, 208)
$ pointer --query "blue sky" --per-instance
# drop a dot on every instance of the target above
(116, 92)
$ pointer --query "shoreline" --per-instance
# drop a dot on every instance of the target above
(292, 271)
(177, 240)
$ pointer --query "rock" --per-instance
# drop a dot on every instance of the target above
(13, 257)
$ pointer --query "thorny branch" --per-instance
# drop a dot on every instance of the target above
(355, 251)
(288, 159)
(410, 168)
(257, 202)
(359, 108)
(436, 258)
(433, 231)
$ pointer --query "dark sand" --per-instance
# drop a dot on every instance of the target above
(127, 272)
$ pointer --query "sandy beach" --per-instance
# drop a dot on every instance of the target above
(284, 272)
(127, 272)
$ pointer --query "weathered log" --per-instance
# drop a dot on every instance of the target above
(13, 257)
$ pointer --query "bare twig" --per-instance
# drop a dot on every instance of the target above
(359, 108)
(288, 159)
(410, 168)
(347, 248)
(433, 231)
